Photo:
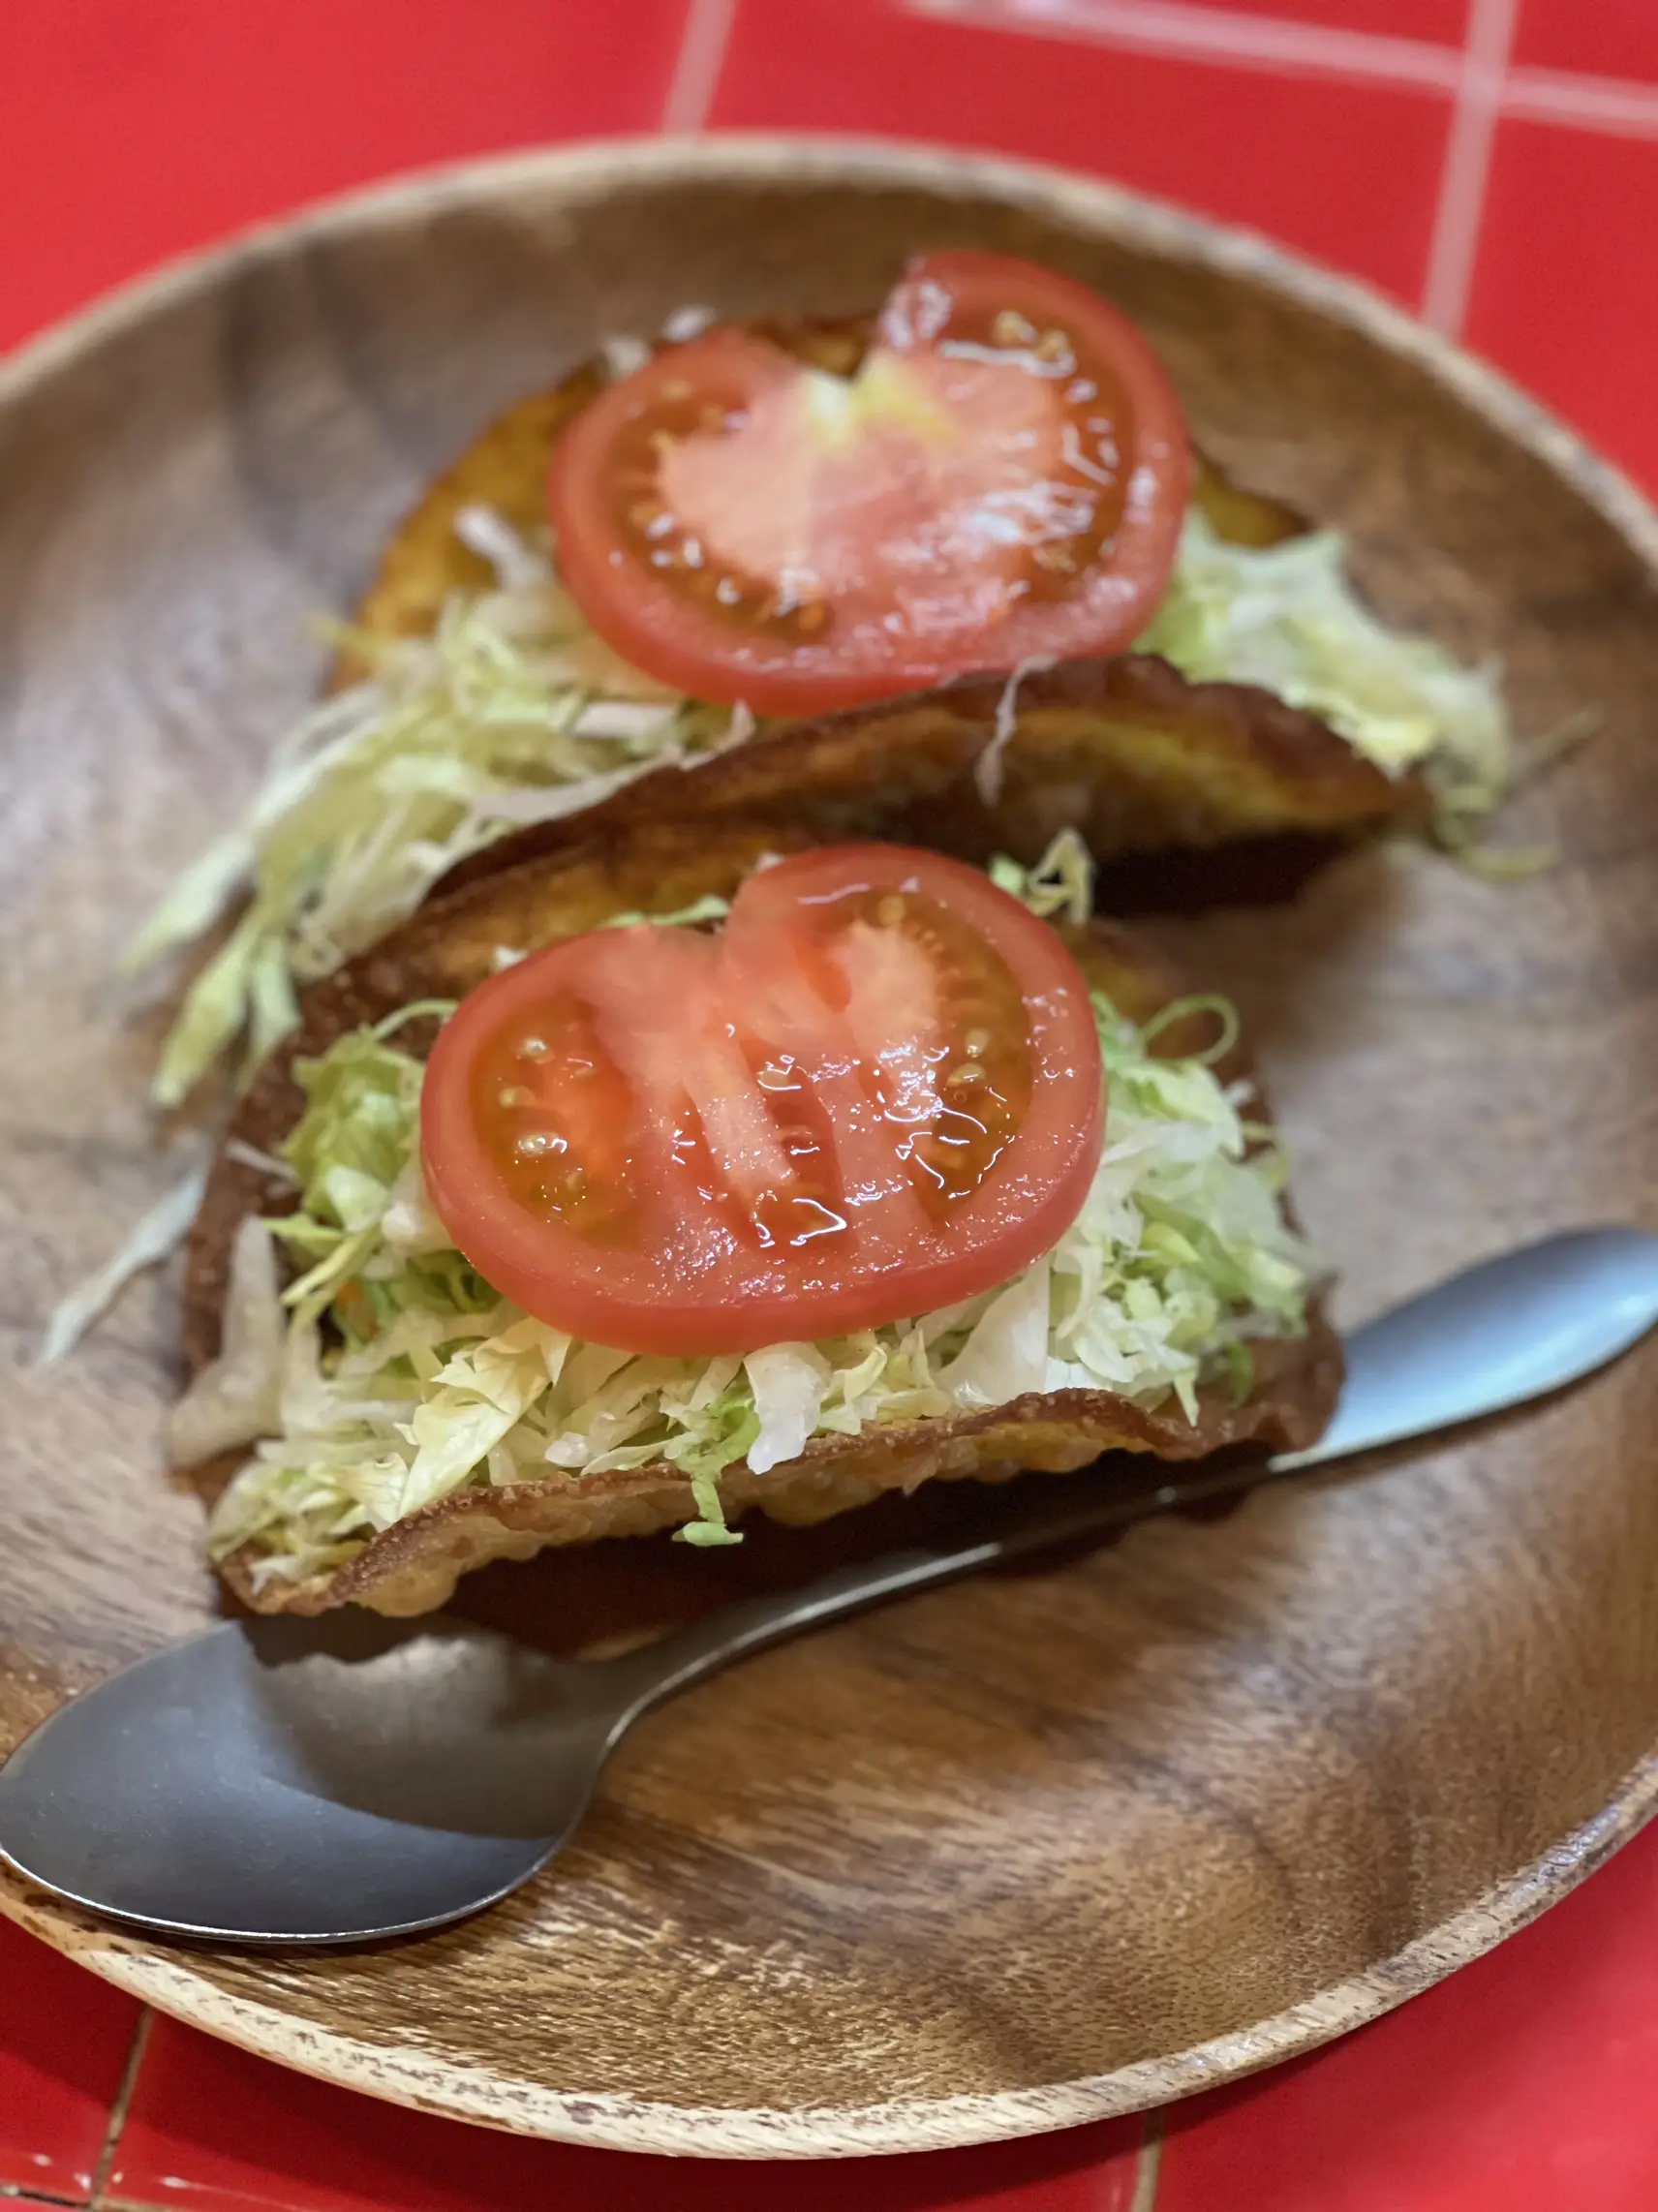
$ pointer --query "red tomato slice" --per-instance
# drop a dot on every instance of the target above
(1003, 480)
(876, 1093)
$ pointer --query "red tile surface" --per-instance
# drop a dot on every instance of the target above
(1442, 21)
(1610, 38)
(1526, 2083)
(1299, 159)
(64, 2042)
(1564, 295)
(133, 129)
(225, 2132)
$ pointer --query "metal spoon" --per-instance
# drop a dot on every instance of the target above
(335, 1781)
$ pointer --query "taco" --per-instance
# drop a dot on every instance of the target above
(952, 577)
(444, 1306)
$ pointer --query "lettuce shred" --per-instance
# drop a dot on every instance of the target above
(151, 1238)
(1287, 617)
(392, 1375)
(1060, 885)
(514, 712)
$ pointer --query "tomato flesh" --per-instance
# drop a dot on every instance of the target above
(876, 1093)
(1001, 479)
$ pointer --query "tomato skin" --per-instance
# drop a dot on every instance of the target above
(999, 609)
(676, 1267)
(635, 608)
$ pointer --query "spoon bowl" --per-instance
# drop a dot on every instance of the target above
(319, 1781)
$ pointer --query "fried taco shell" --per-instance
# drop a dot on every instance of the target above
(451, 946)
(1121, 748)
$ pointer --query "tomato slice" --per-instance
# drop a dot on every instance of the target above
(876, 1093)
(1003, 479)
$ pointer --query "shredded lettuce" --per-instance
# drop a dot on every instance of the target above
(240, 1394)
(515, 712)
(1060, 883)
(1287, 617)
(710, 908)
(990, 768)
(397, 1377)
(152, 1236)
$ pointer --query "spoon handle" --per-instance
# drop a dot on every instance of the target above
(1025, 1524)
(1510, 1330)
(1500, 1333)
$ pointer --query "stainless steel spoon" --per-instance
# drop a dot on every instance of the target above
(341, 1780)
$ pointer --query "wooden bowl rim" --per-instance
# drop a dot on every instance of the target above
(590, 170)
(606, 2121)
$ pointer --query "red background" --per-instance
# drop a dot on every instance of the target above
(1493, 164)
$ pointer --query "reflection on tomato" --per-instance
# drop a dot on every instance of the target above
(1003, 479)
(876, 1093)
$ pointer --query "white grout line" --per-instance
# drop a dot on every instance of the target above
(118, 2110)
(1591, 102)
(1149, 2167)
(701, 57)
(1233, 40)
(1216, 34)
(1462, 185)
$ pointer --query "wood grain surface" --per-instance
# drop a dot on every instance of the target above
(1055, 1844)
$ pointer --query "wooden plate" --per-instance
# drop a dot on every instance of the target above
(1018, 1854)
